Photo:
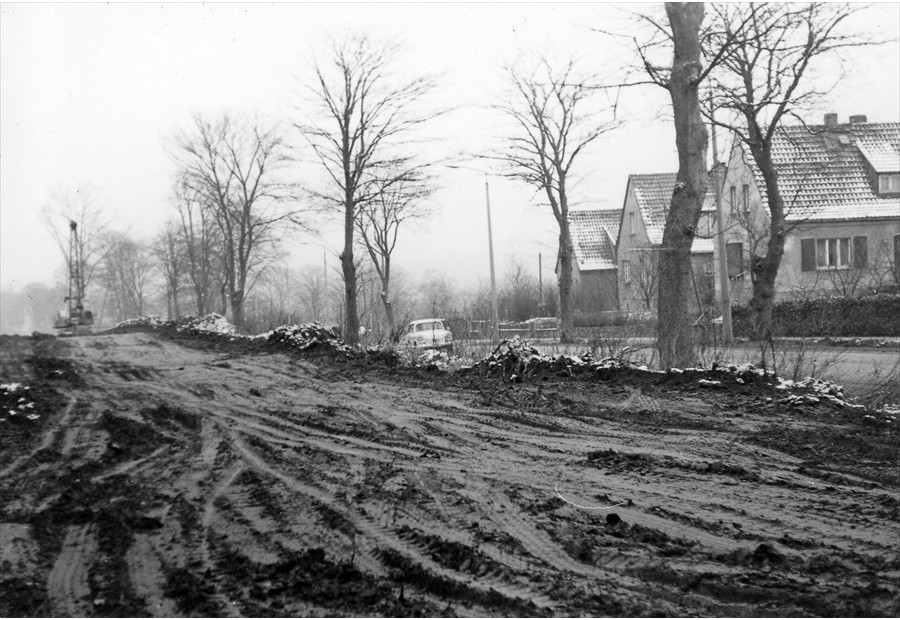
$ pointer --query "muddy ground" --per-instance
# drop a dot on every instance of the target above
(192, 477)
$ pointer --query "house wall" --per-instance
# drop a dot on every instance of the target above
(794, 282)
(636, 250)
(628, 247)
(750, 230)
(596, 291)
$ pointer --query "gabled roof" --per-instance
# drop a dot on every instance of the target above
(822, 171)
(653, 193)
(593, 236)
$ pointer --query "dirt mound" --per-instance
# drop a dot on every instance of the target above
(306, 337)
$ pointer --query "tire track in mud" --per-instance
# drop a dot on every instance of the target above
(377, 538)
(49, 437)
(425, 483)
(145, 573)
(68, 589)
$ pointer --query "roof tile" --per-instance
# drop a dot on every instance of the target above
(593, 236)
(823, 177)
(654, 194)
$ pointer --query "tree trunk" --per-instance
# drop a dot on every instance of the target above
(386, 299)
(675, 339)
(351, 317)
(765, 269)
(237, 309)
(566, 324)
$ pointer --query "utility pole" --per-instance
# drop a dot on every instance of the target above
(540, 285)
(495, 316)
(724, 282)
(495, 332)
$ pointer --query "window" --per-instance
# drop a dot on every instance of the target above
(734, 253)
(732, 195)
(833, 253)
(889, 183)
(626, 271)
(631, 223)
(838, 253)
(745, 198)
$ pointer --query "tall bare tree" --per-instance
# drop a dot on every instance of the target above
(236, 168)
(556, 117)
(682, 80)
(380, 219)
(169, 249)
(361, 123)
(126, 273)
(201, 239)
(762, 55)
(675, 338)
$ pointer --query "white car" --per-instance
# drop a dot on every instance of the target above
(427, 334)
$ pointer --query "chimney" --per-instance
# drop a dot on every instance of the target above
(831, 120)
(858, 118)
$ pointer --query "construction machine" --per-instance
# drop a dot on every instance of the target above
(74, 319)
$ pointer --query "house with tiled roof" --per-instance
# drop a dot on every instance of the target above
(643, 217)
(594, 233)
(841, 187)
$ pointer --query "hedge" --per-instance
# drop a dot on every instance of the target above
(870, 315)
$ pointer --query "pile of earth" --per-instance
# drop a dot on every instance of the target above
(514, 361)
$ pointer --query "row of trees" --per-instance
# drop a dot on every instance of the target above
(360, 124)
(181, 270)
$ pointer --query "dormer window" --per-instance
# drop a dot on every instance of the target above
(889, 183)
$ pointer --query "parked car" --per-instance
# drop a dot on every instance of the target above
(427, 334)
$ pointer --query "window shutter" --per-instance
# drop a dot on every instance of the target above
(734, 252)
(808, 254)
(860, 252)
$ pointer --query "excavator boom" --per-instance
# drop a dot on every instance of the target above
(74, 319)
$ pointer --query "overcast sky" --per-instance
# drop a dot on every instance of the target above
(89, 94)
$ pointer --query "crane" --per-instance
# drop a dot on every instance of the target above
(74, 319)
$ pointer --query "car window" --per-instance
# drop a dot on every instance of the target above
(430, 325)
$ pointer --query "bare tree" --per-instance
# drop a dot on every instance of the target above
(398, 201)
(362, 123)
(644, 272)
(235, 169)
(202, 246)
(82, 206)
(675, 337)
(168, 247)
(519, 296)
(885, 270)
(126, 273)
(313, 294)
(761, 55)
(554, 112)
(437, 295)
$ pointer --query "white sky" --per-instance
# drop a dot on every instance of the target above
(89, 93)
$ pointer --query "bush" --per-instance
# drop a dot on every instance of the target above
(871, 315)
(611, 318)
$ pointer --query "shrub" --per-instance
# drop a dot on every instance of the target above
(611, 318)
(870, 315)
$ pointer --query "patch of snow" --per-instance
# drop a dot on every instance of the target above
(210, 324)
